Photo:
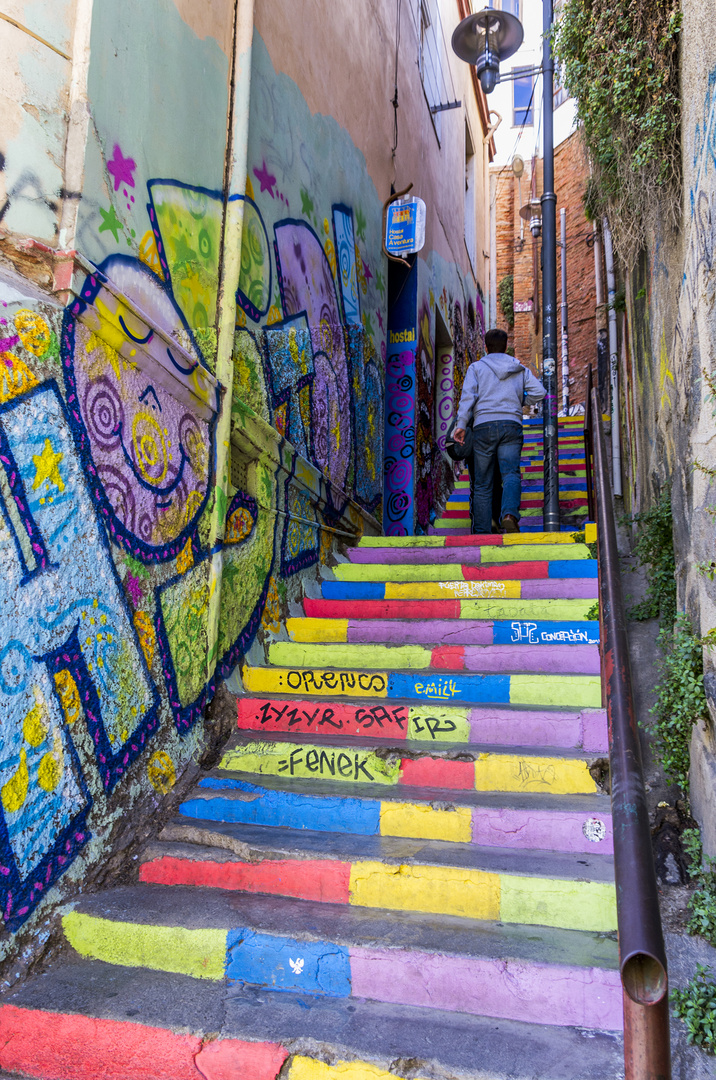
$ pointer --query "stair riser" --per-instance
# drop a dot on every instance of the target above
(518, 611)
(467, 554)
(535, 569)
(351, 764)
(542, 659)
(493, 635)
(67, 1046)
(508, 540)
(538, 589)
(551, 691)
(495, 726)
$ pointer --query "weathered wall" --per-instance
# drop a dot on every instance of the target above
(149, 547)
(667, 409)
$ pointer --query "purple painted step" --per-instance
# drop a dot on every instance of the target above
(586, 730)
(537, 659)
(414, 632)
(531, 992)
(560, 589)
(584, 833)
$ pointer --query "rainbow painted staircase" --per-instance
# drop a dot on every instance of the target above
(401, 867)
(572, 483)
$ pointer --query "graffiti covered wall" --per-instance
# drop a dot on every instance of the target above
(145, 552)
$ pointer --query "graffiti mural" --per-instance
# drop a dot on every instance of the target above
(144, 407)
(70, 650)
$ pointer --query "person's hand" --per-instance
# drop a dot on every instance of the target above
(459, 434)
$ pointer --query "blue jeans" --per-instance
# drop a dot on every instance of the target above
(496, 441)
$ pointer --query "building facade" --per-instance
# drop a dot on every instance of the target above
(211, 373)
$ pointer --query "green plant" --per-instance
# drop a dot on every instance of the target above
(702, 904)
(506, 296)
(593, 612)
(681, 698)
(621, 64)
(654, 548)
(696, 1006)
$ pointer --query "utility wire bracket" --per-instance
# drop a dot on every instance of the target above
(443, 108)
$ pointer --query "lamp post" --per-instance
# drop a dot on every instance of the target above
(484, 40)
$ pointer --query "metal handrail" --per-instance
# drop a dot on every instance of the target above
(642, 959)
(588, 446)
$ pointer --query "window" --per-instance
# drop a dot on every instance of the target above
(560, 91)
(470, 238)
(523, 99)
(513, 6)
(429, 59)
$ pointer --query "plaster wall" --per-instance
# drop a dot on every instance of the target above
(666, 405)
(35, 72)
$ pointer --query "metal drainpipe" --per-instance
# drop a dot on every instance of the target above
(613, 362)
(235, 171)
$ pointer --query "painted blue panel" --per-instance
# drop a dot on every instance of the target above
(353, 590)
(461, 495)
(346, 259)
(284, 809)
(450, 689)
(278, 963)
(400, 417)
(573, 568)
(521, 632)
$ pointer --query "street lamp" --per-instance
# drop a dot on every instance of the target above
(484, 40)
(532, 212)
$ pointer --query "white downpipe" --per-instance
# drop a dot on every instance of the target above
(613, 361)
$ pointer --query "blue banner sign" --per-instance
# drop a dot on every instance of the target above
(405, 226)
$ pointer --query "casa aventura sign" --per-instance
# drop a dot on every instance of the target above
(405, 226)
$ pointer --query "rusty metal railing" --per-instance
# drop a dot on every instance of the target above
(642, 960)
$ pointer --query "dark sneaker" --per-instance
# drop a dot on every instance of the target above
(510, 524)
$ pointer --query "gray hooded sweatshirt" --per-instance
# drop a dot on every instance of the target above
(496, 387)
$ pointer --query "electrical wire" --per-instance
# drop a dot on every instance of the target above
(523, 125)
(399, 4)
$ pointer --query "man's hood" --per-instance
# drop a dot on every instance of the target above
(501, 365)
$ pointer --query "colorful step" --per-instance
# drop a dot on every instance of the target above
(324, 965)
(491, 726)
(527, 821)
(529, 589)
(540, 659)
(570, 610)
(503, 636)
(482, 771)
(474, 570)
(569, 691)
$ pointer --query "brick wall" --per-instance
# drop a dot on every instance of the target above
(521, 257)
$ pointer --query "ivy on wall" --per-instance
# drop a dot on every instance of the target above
(506, 296)
(621, 64)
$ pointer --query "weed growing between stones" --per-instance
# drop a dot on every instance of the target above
(696, 1006)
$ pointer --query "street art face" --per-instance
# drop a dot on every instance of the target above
(144, 405)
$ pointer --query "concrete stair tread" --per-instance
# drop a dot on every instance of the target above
(597, 803)
(194, 907)
(352, 847)
(436, 1041)
(404, 747)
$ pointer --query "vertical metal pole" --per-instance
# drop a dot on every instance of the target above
(565, 339)
(613, 362)
(549, 286)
